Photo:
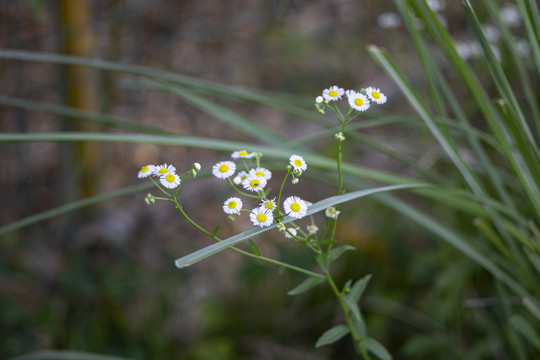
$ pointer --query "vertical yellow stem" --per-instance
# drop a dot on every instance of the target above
(80, 83)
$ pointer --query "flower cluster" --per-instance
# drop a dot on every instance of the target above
(166, 174)
(254, 180)
(359, 100)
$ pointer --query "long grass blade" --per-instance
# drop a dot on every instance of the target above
(315, 208)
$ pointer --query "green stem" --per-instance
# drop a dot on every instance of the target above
(263, 258)
(345, 311)
(280, 191)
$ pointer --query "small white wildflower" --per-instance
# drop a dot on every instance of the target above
(161, 170)
(376, 95)
(254, 183)
(224, 169)
(333, 93)
(295, 207)
(331, 212)
(170, 180)
(298, 163)
(261, 217)
(269, 204)
(242, 154)
(232, 205)
(146, 171)
(312, 229)
(357, 101)
(261, 172)
(241, 176)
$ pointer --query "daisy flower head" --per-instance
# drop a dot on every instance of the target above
(242, 154)
(241, 176)
(254, 183)
(375, 95)
(161, 170)
(290, 232)
(333, 93)
(261, 172)
(146, 171)
(298, 163)
(232, 205)
(357, 100)
(224, 169)
(331, 212)
(269, 204)
(170, 180)
(295, 207)
(261, 217)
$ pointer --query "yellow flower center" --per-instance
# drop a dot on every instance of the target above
(232, 204)
(254, 183)
(268, 205)
(376, 95)
(163, 171)
(145, 169)
(333, 93)
(332, 210)
(358, 101)
(259, 173)
(243, 153)
(295, 207)
(224, 168)
(261, 217)
(298, 162)
(170, 178)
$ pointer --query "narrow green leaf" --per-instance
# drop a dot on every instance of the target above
(315, 208)
(74, 205)
(352, 306)
(359, 326)
(337, 252)
(522, 326)
(305, 285)
(376, 348)
(358, 288)
(216, 229)
(332, 335)
(254, 248)
(532, 306)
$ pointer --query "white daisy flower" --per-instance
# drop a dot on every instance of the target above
(298, 163)
(357, 100)
(375, 95)
(170, 180)
(269, 204)
(232, 205)
(261, 217)
(333, 93)
(161, 170)
(224, 169)
(146, 171)
(295, 207)
(242, 154)
(241, 176)
(261, 172)
(290, 232)
(331, 212)
(254, 183)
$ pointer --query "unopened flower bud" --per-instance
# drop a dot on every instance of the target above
(312, 229)
(295, 180)
(150, 199)
(197, 166)
(339, 136)
(319, 99)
